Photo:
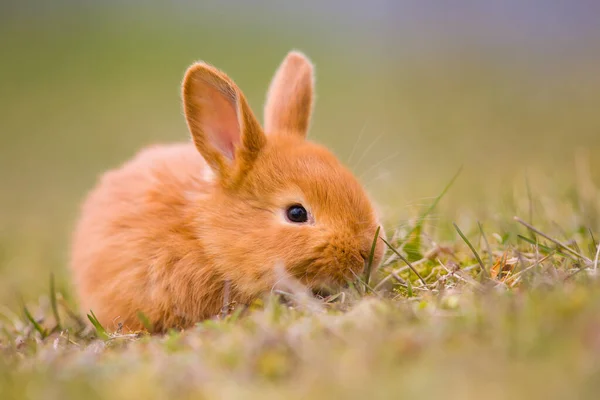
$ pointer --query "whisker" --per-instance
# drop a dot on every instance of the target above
(377, 164)
(368, 148)
(362, 130)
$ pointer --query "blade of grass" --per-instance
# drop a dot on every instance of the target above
(596, 258)
(398, 278)
(53, 302)
(487, 244)
(371, 255)
(593, 238)
(422, 217)
(355, 288)
(539, 245)
(363, 284)
(36, 325)
(71, 314)
(432, 207)
(435, 202)
(462, 235)
(145, 321)
(557, 242)
(100, 331)
(594, 245)
(529, 198)
(405, 260)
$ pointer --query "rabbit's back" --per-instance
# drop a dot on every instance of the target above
(135, 226)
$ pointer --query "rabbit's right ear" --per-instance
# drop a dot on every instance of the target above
(290, 97)
(222, 125)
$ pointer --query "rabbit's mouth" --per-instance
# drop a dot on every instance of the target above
(329, 288)
(323, 292)
(325, 282)
(327, 292)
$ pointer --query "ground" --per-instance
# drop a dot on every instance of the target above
(490, 314)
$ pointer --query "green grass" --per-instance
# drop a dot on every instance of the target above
(491, 316)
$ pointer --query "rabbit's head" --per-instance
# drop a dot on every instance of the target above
(278, 198)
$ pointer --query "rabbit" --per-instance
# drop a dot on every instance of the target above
(180, 228)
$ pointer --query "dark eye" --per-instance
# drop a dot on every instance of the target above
(296, 213)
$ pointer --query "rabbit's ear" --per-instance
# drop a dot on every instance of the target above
(223, 127)
(290, 97)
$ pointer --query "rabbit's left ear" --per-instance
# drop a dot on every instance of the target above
(290, 97)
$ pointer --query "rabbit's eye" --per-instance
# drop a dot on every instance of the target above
(296, 213)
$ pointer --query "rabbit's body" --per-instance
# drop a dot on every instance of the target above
(173, 233)
(136, 248)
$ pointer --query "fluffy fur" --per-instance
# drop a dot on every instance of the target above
(169, 231)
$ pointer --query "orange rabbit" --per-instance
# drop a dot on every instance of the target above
(167, 232)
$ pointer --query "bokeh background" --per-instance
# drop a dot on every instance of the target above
(408, 91)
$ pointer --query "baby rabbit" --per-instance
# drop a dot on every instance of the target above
(181, 227)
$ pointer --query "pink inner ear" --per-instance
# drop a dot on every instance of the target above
(220, 120)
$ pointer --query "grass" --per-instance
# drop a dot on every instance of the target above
(526, 325)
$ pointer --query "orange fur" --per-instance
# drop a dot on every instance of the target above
(169, 230)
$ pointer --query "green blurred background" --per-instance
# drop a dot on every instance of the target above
(407, 92)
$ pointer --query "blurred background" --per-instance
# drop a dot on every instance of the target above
(408, 91)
